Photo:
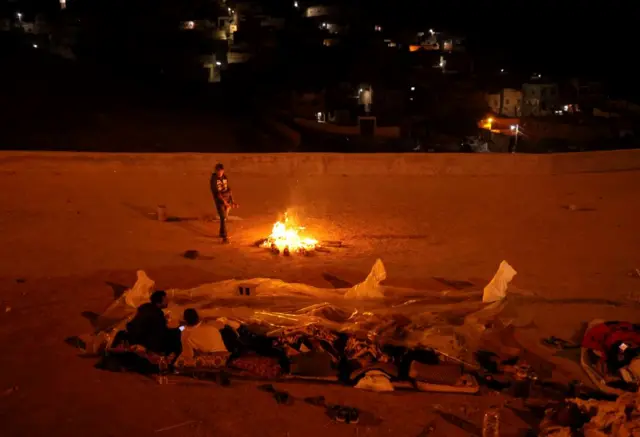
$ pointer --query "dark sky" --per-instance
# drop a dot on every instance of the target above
(533, 26)
(596, 39)
(569, 36)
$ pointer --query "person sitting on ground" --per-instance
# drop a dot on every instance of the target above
(198, 336)
(149, 328)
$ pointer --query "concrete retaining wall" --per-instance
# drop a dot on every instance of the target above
(309, 164)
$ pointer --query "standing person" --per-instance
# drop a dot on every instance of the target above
(222, 197)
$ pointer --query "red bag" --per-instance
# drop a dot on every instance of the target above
(604, 336)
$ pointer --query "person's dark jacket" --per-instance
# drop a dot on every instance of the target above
(149, 328)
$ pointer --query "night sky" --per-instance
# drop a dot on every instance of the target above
(550, 36)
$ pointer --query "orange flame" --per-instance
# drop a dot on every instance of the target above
(287, 235)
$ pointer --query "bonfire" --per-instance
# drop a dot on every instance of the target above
(286, 237)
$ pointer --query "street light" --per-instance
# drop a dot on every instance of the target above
(487, 123)
(515, 128)
(19, 15)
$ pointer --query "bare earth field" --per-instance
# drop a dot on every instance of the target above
(70, 239)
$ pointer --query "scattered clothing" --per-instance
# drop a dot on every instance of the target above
(363, 355)
(364, 350)
(310, 338)
(594, 417)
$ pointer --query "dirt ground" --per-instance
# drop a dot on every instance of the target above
(70, 240)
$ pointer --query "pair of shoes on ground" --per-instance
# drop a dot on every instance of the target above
(343, 414)
(339, 413)
(281, 397)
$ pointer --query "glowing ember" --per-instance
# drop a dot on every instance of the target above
(287, 237)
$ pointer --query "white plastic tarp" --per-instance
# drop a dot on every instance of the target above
(387, 314)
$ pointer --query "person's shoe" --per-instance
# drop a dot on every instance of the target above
(342, 415)
(317, 401)
(353, 416)
(224, 379)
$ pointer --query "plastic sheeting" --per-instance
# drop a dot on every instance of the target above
(370, 288)
(449, 321)
(497, 288)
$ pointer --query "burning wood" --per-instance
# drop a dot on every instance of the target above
(287, 237)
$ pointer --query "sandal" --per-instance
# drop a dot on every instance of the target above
(267, 387)
(281, 397)
(317, 401)
(559, 343)
(343, 414)
(353, 415)
(223, 379)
